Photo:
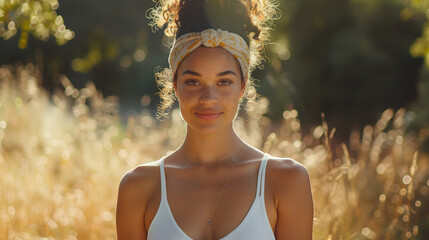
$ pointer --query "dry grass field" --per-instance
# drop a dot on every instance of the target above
(62, 157)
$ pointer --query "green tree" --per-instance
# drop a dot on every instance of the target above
(420, 48)
(36, 17)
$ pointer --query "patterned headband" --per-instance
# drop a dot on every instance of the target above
(231, 42)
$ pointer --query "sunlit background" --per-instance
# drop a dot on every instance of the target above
(345, 91)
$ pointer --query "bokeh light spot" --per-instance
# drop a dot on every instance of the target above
(418, 203)
(145, 100)
(377, 213)
(382, 197)
(122, 153)
(107, 216)
(367, 232)
(284, 54)
(405, 218)
(318, 132)
(380, 169)
(406, 179)
(399, 140)
(286, 114)
(125, 61)
(415, 230)
(295, 125)
(400, 210)
(139, 55)
(3, 124)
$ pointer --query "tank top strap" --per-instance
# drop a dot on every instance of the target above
(163, 185)
(261, 175)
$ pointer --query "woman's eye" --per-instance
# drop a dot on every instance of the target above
(225, 82)
(192, 82)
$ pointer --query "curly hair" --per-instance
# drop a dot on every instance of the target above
(182, 16)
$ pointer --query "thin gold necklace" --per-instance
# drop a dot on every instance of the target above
(209, 219)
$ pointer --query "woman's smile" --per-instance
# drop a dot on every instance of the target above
(208, 115)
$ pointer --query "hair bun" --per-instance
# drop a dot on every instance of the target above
(192, 17)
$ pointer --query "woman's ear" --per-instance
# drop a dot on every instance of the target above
(175, 87)
(243, 89)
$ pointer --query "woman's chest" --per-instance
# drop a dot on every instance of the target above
(192, 201)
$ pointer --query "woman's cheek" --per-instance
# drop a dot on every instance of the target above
(231, 95)
(186, 94)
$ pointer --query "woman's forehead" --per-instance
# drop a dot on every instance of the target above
(205, 59)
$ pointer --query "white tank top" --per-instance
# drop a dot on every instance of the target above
(254, 226)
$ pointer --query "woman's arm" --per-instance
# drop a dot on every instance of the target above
(293, 199)
(133, 194)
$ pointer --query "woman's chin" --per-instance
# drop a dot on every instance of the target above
(208, 125)
(208, 128)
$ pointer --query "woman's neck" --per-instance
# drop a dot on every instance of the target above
(207, 149)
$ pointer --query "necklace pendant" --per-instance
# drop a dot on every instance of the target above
(209, 221)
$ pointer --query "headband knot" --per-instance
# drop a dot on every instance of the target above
(212, 38)
(231, 42)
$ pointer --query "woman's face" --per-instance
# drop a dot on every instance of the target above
(209, 87)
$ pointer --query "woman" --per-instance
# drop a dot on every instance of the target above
(218, 186)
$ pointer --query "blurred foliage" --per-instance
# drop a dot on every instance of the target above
(57, 152)
(36, 17)
(420, 48)
(347, 58)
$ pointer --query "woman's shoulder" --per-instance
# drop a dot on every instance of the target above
(141, 179)
(285, 164)
(287, 171)
(291, 193)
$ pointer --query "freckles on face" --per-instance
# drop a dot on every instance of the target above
(209, 71)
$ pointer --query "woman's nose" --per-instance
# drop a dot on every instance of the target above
(208, 96)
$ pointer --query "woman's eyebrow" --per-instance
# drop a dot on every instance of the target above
(191, 73)
(226, 73)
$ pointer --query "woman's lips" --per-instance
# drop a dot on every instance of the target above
(208, 116)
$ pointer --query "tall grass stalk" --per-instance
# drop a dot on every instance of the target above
(62, 157)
